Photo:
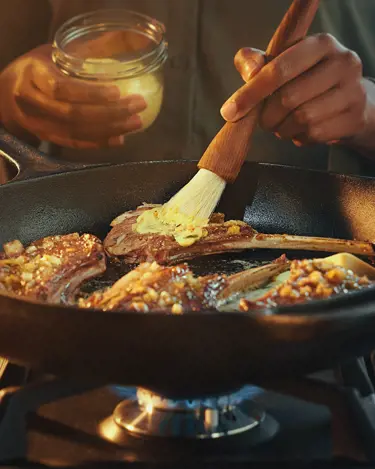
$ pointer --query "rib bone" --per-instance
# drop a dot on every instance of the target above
(221, 237)
(253, 278)
(306, 243)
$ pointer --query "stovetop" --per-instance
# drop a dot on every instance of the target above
(56, 422)
(68, 430)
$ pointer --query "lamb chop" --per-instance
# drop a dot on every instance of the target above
(219, 236)
(51, 269)
(154, 288)
(309, 280)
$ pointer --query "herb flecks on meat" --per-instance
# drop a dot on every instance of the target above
(151, 287)
(218, 236)
(50, 267)
(309, 280)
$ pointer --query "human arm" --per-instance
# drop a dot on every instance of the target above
(315, 92)
(37, 102)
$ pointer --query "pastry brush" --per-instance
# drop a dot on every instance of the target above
(223, 159)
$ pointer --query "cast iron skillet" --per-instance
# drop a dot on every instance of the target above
(193, 354)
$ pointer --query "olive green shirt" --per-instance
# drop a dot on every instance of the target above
(203, 37)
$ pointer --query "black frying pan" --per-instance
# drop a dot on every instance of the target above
(192, 354)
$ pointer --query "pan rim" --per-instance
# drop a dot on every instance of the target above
(105, 166)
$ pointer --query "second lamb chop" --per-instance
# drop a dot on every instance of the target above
(151, 287)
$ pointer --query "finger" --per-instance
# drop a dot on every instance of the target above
(344, 126)
(290, 64)
(84, 145)
(328, 74)
(112, 130)
(248, 62)
(302, 140)
(339, 127)
(51, 82)
(326, 106)
(76, 113)
(44, 128)
(116, 141)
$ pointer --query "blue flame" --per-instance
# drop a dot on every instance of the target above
(246, 393)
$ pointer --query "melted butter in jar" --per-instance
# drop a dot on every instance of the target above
(119, 47)
(149, 86)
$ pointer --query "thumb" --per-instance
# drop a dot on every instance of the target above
(248, 62)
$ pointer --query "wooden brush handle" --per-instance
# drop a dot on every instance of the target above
(235, 138)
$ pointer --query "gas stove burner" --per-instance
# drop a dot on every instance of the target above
(151, 415)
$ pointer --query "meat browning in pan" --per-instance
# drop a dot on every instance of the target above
(51, 269)
(151, 287)
(135, 248)
(218, 237)
(309, 280)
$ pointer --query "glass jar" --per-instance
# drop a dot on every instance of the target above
(119, 46)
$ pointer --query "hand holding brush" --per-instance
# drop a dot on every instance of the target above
(223, 159)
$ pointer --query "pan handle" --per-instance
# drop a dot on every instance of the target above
(32, 163)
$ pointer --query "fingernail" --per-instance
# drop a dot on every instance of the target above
(134, 123)
(251, 67)
(297, 143)
(137, 105)
(333, 142)
(248, 66)
(278, 135)
(116, 141)
(248, 73)
(229, 110)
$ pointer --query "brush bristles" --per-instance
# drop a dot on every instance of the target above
(199, 198)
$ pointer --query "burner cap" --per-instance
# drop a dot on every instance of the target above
(154, 416)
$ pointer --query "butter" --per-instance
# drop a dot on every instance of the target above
(185, 230)
(234, 230)
(148, 85)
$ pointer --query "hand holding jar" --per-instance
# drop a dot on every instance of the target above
(84, 92)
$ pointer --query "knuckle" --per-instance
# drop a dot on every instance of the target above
(265, 121)
(57, 88)
(327, 42)
(360, 121)
(289, 99)
(304, 115)
(75, 113)
(356, 99)
(352, 60)
(361, 95)
(279, 70)
(314, 133)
